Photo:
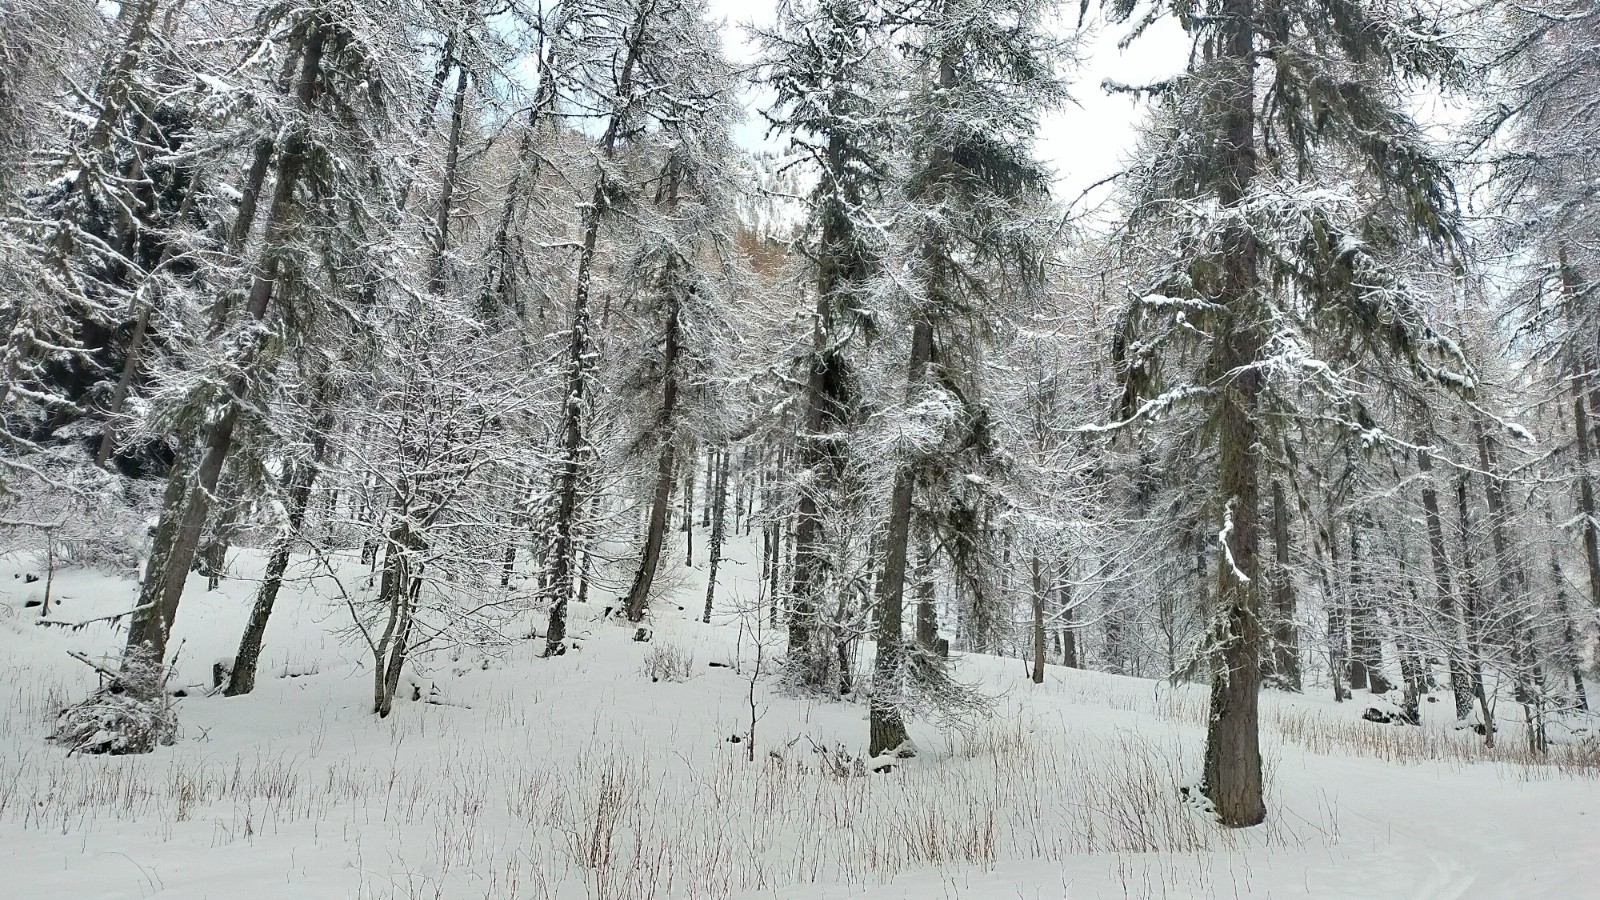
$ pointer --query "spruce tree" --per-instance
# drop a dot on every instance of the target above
(826, 62)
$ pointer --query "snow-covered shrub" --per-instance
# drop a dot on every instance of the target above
(668, 662)
(130, 713)
(70, 513)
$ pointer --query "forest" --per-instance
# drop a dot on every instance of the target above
(655, 401)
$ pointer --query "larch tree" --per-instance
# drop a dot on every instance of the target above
(826, 62)
(333, 79)
(980, 75)
(1290, 189)
(649, 73)
(682, 273)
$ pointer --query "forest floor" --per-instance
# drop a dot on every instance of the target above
(581, 777)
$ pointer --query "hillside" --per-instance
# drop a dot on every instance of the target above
(585, 777)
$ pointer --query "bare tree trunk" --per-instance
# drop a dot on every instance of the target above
(573, 450)
(927, 615)
(691, 465)
(499, 280)
(1585, 446)
(243, 678)
(661, 499)
(1455, 636)
(719, 518)
(398, 591)
(1327, 549)
(887, 727)
(1039, 591)
(1286, 639)
(1474, 610)
(1366, 651)
(1513, 580)
(211, 559)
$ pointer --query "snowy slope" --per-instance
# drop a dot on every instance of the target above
(581, 777)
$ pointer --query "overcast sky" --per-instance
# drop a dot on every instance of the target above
(1085, 141)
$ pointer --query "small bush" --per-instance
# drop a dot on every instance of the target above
(668, 662)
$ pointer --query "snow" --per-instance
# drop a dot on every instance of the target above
(578, 777)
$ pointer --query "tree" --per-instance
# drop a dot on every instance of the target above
(320, 218)
(686, 272)
(1273, 249)
(982, 73)
(830, 74)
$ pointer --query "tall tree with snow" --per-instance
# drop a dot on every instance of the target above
(1287, 190)
(832, 75)
(981, 73)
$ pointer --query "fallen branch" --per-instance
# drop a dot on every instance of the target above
(75, 626)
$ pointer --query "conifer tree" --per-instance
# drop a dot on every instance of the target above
(981, 73)
(1290, 192)
(826, 63)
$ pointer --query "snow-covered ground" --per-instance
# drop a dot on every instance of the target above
(583, 777)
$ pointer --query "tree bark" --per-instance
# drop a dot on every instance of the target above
(1512, 578)
(888, 730)
(243, 678)
(1474, 611)
(1286, 638)
(719, 525)
(1233, 742)
(927, 614)
(1449, 610)
(573, 450)
(1327, 548)
(691, 465)
(1039, 592)
(183, 519)
(666, 433)
(1584, 444)
(1366, 652)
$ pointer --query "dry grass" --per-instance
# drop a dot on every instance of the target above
(477, 818)
(668, 662)
(1338, 732)
(436, 806)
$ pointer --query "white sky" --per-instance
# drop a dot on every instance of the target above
(1084, 142)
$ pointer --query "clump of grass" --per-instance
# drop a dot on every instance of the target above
(668, 662)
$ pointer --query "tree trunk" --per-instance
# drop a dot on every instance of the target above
(245, 661)
(1286, 639)
(888, 729)
(211, 560)
(573, 449)
(1233, 740)
(1328, 562)
(1513, 580)
(1366, 651)
(1449, 611)
(1584, 446)
(927, 615)
(440, 236)
(1474, 610)
(661, 499)
(1039, 592)
(719, 524)
(691, 465)
(398, 591)
(184, 514)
